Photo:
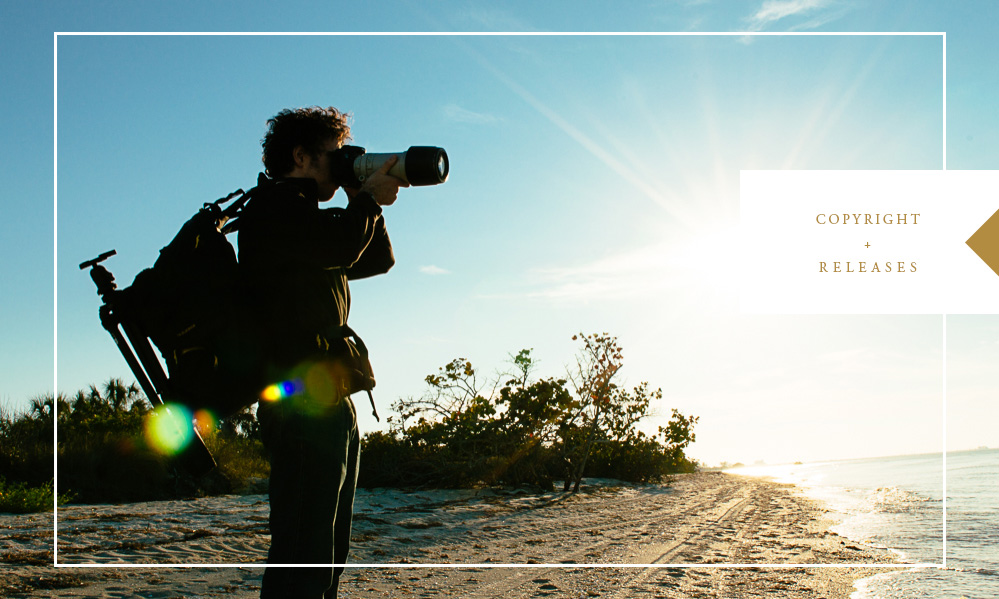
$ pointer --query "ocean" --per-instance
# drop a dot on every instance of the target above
(897, 503)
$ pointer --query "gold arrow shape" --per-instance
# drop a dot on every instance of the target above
(985, 242)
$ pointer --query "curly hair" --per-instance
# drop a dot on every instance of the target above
(307, 127)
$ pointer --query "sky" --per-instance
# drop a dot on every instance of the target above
(594, 188)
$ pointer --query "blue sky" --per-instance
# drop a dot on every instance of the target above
(594, 188)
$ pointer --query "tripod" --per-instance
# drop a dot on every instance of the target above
(135, 347)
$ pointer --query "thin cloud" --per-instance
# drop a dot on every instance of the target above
(463, 115)
(703, 264)
(625, 275)
(775, 10)
(487, 18)
(434, 270)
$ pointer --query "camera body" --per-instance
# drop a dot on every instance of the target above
(419, 165)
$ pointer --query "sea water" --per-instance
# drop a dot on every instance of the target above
(897, 503)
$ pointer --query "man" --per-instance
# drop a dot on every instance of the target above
(298, 259)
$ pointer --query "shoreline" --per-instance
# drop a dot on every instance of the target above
(705, 521)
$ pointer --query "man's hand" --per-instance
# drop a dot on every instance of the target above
(381, 185)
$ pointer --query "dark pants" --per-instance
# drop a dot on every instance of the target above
(314, 458)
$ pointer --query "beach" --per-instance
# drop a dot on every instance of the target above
(710, 519)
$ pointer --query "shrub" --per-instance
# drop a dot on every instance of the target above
(104, 456)
(240, 460)
(527, 433)
(19, 498)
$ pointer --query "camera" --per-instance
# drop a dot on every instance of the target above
(419, 165)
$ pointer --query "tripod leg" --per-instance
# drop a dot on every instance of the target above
(111, 326)
(196, 458)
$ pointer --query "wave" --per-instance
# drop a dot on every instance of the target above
(929, 582)
(982, 571)
(895, 500)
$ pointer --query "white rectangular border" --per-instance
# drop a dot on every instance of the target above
(55, 294)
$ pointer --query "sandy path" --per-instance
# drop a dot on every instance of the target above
(701, 519)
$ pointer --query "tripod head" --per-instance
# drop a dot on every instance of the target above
(101, 276)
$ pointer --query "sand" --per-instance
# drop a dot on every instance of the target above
(705, 518)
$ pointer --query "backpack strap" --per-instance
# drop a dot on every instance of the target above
(228, 222)
(364, 363)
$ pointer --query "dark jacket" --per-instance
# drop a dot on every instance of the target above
(297, 259)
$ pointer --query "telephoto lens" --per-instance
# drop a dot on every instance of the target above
(419, 165)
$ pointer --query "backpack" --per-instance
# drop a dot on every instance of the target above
(195, 309)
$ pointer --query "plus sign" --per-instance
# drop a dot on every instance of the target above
(867, 245)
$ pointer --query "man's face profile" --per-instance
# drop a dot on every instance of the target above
(317, 167)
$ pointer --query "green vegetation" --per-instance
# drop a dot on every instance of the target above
(530, 432)
(104, 455)
(525, 431)
(19, 498)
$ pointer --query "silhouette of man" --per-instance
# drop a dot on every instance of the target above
(298, 259)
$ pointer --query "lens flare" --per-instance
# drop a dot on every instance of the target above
(282, 390)
(205, 422)
(169, 429)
